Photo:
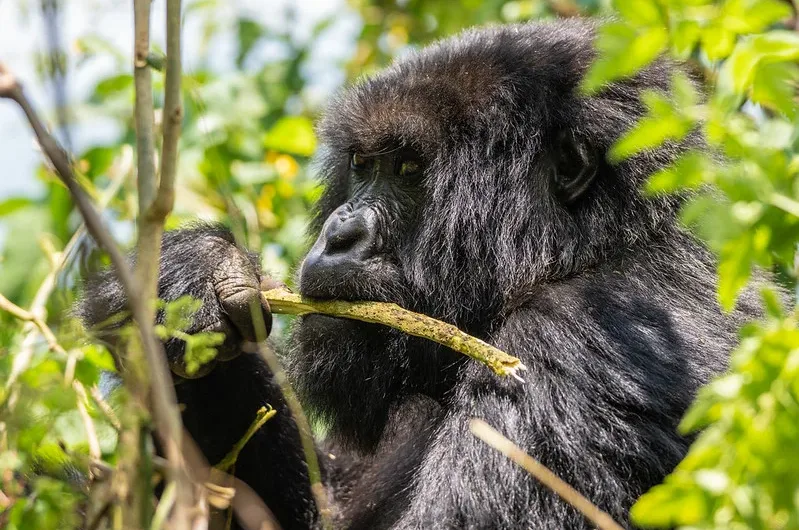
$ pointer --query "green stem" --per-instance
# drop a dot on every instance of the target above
(285, 302)
(262, 416)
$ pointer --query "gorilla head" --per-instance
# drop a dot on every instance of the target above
(456, 180)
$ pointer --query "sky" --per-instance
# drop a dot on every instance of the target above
(23, 34)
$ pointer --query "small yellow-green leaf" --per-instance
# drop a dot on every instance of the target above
(684, 36)
(774, 86)
(623, 52)
(640, 12)
(717, 42)
(292, 134)
(690, 171)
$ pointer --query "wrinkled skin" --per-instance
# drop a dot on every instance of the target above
(469, 182)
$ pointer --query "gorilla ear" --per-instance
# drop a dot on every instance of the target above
(575, 164)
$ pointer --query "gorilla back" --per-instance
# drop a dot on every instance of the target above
(469, 181)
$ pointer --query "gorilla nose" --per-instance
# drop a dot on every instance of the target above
(348, 239)
(350, 235)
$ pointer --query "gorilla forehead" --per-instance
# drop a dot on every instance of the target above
(482, 79)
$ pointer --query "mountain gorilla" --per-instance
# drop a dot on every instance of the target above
(468, 182)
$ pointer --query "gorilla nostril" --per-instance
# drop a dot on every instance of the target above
(344, 236)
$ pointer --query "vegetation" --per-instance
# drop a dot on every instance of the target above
(245, 153)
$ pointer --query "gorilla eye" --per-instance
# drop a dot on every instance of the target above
(358, 161)
(409, 168)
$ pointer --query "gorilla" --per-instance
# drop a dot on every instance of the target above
(469, 182)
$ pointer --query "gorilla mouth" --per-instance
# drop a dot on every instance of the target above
(376, 282)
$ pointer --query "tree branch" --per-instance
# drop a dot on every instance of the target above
(172, 116)
(283, 301)
(23, 356)
(155, 204)
(162, 397)
(492, 437)
(304, 428)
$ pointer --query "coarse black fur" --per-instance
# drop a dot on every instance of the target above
(518, 231)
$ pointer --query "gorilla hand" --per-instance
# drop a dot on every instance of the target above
(204, 263)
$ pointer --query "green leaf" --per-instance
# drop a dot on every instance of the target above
(623, 52)
(737, 258)
(111, 86)
(772, 302)
(201, 349)
(684, 37)
(640, 12)
(13, 204)
(717, 42)
(689, 171)
(774, 86)
(748, 16)
(669, 505)
(292, 134)
(664, 122)
(738, 72)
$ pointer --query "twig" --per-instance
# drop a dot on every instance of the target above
(23, 356)
(172, 115)
(283, 301)
(164, 506)
(101, 514)
(88, 424)
(143, 109)
(492, 437)
(27, 316)
(298, 415)
(262, 416)
(105, 408)
(166, 413)
(303, 427)
(155, 203)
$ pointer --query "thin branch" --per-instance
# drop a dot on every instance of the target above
(52, 342)
(105, 408)
(27, 316)
(283, 301)
(492, 437)
(298, 415)
(261, 417)
(304, 428)
(164, 506)
(172, 116)
(143, 110)
(24, 355)
(155, 203)
(165, 411)
(88, 424)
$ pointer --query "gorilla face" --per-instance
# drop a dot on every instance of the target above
(356, 256)
(458, 178)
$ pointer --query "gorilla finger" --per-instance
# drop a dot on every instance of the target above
(249, 313)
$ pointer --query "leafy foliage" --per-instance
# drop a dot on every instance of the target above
(178, 315)
(741, 472)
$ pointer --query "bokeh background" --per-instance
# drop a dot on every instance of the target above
(258, 73)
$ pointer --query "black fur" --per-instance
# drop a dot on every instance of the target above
(609, 303)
